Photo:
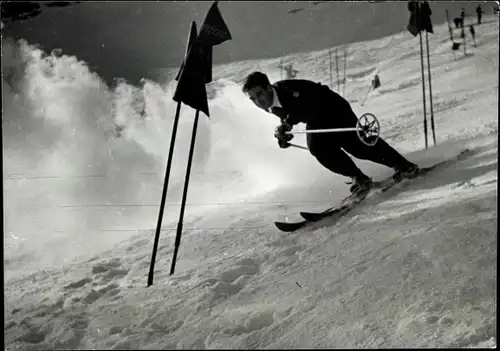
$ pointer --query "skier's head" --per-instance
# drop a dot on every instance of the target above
(259, 89)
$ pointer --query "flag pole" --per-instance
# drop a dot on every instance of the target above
(430, 87)
(164, 195)
(345, 67)
(281, 68)
(337, 64)
(191, 38)
(463, 37)
(450, 30)
(331, 74)
(423, 86)
(184, 194)
(191, 90)
(368, 92)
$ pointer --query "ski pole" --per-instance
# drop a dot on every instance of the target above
(366, 123)
(367, 129)
(313, 131)
(299, 146)
(339, 130)
(366, 96)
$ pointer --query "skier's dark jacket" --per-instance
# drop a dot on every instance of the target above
(312, 103)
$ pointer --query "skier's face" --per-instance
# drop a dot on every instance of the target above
(262, 97)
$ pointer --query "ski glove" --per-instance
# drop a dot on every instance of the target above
(283, 139)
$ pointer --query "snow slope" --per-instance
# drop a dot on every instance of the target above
(415, 267)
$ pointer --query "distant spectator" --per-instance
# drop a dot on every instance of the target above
(290, 72)
(479, 12)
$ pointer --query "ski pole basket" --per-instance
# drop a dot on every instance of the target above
(368, 129)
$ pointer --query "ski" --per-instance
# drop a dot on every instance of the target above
(425, 170)
(382, 186)
(317, 216)
(419, 173)
(351, 201)
(345, 206)
(348, 203)
(290, 227)
(293, 226)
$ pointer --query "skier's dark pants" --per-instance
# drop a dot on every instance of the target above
(327, 147)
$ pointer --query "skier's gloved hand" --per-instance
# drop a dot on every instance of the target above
(280, 132)
(283, 138)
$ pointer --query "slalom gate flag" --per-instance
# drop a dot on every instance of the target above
(420, 17)
(376, 82)
(191, 84)
(425, 17)
(191, 39)
(413, 21)
(197, 68)
(214, 31)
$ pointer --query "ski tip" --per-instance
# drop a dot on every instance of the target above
(289, 227)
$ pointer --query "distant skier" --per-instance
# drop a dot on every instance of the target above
(302, 101)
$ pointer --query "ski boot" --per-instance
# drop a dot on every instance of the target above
(360, 184)
(408, 170)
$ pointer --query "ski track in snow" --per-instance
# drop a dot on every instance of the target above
(414, 267)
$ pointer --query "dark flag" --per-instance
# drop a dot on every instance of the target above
(413, 22)
(425, 17)
(376, 82)
(420, 17)
(191, 39)
(214, 31)
(191, 84)
(197, 68)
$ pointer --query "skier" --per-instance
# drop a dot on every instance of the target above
(297, 100)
